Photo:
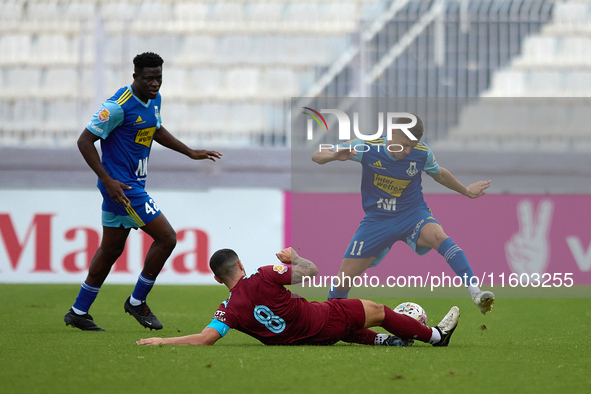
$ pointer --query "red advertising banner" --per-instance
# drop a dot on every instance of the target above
(50, 236)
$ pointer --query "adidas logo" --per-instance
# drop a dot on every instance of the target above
(378, 164)
(139, 119)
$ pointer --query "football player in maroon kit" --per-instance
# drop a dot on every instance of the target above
(259, 305)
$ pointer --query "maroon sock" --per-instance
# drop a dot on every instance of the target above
(364, 337)
(405, 327)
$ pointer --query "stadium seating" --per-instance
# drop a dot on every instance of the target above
(229, 65)
(540, 101)
(232, 66)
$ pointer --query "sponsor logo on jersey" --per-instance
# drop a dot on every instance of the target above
(280, 269)
(412, 169)
(95, 128)
(378, 165)
(144, 136)
(417, 228)
(387, 204)
(139, 120)
(219, 316)
(142, 169)
(392, 186)
(103, 115)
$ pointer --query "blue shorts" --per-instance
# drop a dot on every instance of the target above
(376, 234)
(141, 210)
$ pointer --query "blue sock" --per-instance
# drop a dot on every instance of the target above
(142, 288)
(85, 298)
(337, 294)
(456, 258)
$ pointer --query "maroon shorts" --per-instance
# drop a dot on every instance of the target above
(344, 317)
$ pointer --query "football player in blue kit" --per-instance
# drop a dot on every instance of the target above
(126, 125)
(392, 198)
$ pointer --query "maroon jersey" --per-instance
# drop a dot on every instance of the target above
(259, 305)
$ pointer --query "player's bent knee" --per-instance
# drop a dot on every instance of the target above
(169, 241)
(374, 313)
(440, 237)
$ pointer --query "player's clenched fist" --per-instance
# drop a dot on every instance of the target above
(286, 255)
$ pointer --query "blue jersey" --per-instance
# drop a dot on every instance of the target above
(390, 185)
(126, 126)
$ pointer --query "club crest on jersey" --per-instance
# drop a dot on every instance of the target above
(412, 169)
(103, 115)
(280, 269)
(156, 112)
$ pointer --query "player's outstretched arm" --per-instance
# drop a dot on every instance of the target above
(208, 337)
(300, 267)
(326, 155)
(114, 187)
(164, 138)
(473, 190)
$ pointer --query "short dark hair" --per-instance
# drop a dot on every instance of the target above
(223, 263)
(417, 130)
(146, 59)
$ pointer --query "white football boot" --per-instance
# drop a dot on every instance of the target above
(447, 326)
(484, 300)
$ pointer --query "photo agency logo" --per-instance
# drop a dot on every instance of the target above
(344, 127)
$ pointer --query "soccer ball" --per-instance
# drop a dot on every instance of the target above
(413, 310)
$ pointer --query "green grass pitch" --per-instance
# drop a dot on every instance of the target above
(524, 345)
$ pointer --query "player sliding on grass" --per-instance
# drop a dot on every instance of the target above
(127, 124)
(259, 305)
(395, 208)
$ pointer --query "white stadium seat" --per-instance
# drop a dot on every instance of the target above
(81, 11)
(174, 116)
(266, 12)
(174, 83)
(11, 10)
(567, 13)
(54, 49)
(62, 118)
(150, 11)
(43, 11)
(117, 10)
(15, 49)
(204, 83)
(233, 49)
(211, 117)
(197, 49)
(245, 118)
(279, 83)
(59, 83)
(28, 114)
(231, 12)
(341, 12)
(303, 12)
(193, 11)
(578, 84)
(23, 82)
(241, 83)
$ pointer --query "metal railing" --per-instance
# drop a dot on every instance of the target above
(434, 49)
